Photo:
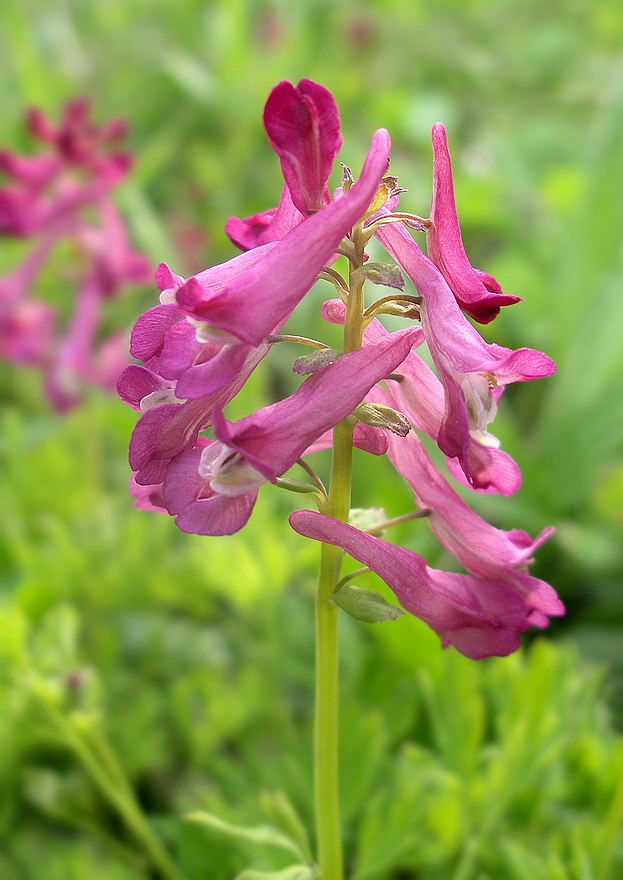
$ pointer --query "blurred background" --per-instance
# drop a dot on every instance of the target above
(198, 670)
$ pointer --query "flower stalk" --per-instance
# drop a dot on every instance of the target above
(326, 722)
(210, 332)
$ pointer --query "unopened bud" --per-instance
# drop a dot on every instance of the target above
(380, 416)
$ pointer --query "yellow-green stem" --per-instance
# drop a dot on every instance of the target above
(326, 784)
(328, 827)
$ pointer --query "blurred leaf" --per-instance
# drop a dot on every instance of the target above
(262, 834)
(294, 872)
(279, 809)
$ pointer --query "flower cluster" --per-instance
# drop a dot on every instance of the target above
(63, 196)
(210, 332)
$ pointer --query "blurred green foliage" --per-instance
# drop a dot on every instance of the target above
(192, 657)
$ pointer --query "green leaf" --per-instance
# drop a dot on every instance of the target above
(280, 811)
(259, 835)
(366, 606)
(294, 872)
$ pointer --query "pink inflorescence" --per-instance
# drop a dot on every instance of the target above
(209, 333)
(63, 196)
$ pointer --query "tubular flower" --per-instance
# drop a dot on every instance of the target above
(208, 335)
(264, 445)
(472, 371)
(417, 392)
(481, 617)
(64, 195)
(477, 293)
(484, 550)
(303, 125)
(264, 295)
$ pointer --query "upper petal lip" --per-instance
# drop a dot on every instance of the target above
(477, 293)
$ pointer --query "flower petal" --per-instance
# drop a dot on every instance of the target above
(303, 125)
(273, 438)
(477, 293)
(271, 225)
(481, 618)
(265, 294)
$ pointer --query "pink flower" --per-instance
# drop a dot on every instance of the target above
(476, 292)
(265, 294)
(481, 617)
(303, 125)
(201, 358)
(63, 196)
(472, 371)
(170, 425)
(210, 331)
(273, 438)
(417, 392)
(199, 509)
(208, 335)
(485, 551)
(77, 171)
(264, 445)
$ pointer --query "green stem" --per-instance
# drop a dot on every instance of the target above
(329, 838)
(328, 828)
(326, 784)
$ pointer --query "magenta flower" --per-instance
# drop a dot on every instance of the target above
(264, 445)
(199, 509)
(472, 371)
(209, 334)
(303, 125)
(481, 617)
(418, 393)
(273, 438)
(264, 295)
(201, 344)
(477, 293)
(63, 196)
(170, 425)
(77, 171)
(485, 551)
(201, 358)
